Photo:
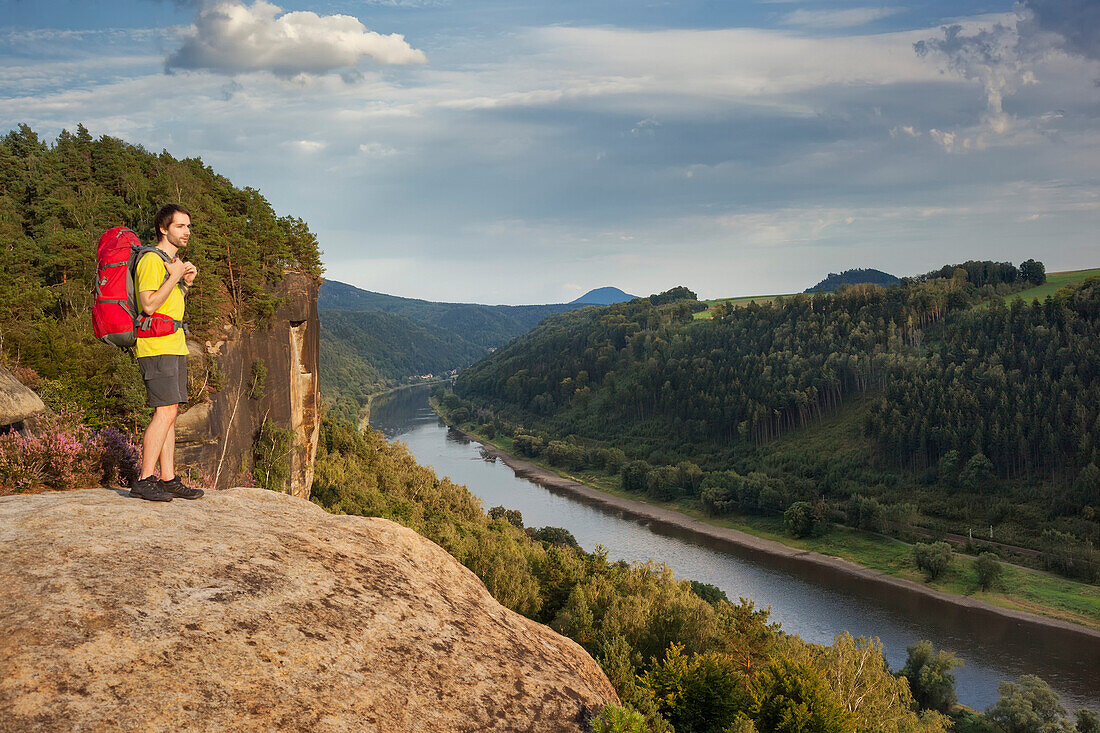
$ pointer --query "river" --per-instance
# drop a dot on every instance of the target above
(814, 607)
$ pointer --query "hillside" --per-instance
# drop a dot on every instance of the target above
(854, 277)
(969, 416)
(370, 341)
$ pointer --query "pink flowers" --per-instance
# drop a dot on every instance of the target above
(61, 453)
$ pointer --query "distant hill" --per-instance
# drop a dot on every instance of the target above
(853, 277)
(373, 340)
(603, 296)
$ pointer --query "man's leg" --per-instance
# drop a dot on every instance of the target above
(168, 453)
(160, 428)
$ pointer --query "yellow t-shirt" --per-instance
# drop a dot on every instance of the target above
(150, 276)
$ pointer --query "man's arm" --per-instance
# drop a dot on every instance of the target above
(152, 299)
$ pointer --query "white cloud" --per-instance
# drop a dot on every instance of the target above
(308, 146)
(376, 150)
(833, 19)
(231, 37)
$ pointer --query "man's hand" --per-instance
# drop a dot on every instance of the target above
(176, 269)
(190, 272)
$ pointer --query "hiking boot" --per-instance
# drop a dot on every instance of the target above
(149, 489)
(176, 487)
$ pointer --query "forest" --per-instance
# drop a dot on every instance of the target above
(958, 410)
(55, 201)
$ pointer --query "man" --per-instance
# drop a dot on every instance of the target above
(161, 283)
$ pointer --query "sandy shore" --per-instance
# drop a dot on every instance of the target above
(886, 588)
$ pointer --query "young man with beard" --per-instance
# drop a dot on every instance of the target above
(161, 283)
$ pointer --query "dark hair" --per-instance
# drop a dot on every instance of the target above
(164, 217)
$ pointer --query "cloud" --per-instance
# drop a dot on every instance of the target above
(1003, 58)
(833, 19)
(231, 38)
(1074, 23)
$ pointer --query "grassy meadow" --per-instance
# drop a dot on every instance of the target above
(1055, 281)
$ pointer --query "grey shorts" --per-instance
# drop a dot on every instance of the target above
(165, 379)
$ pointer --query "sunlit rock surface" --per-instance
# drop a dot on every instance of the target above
(253, 610)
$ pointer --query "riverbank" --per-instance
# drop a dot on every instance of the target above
(799, 559)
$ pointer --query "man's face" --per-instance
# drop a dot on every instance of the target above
(179, 230)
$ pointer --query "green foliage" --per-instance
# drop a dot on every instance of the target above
(799, 519)
(792, 697)
(1087, 721)
(1029, 706)
(988, 570)
(930, 677)
(932, 558)
(1034, 272)
(616, 719)
(257, 383)
(271, 457)
(702, 693)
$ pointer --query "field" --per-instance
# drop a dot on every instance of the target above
(1055, 281)
(741, 300)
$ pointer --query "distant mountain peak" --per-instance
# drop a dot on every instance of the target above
(603, 296)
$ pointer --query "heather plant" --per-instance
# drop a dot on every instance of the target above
(120, 459)
(58, 453)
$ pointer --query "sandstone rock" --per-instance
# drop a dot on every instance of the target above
(17, 402)
(217, 439)
(252, 610)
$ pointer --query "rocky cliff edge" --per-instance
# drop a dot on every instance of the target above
(253, 610)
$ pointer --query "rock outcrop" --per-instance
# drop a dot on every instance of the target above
(217, 437)
(253, 610)
(17, 402)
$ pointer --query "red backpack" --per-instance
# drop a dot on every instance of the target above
(116, 316)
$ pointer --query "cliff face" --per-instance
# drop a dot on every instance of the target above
(253, 610)
(217, 436)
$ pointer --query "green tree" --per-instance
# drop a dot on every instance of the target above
(1028, 706)
(1033, 271)
(988, 570)
(933, 558)
(792, 697)
(702, 693)
(930, 677)
(799, 519)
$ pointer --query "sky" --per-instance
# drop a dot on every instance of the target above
(526, 151)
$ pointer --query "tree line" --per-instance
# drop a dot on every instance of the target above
(951, 409)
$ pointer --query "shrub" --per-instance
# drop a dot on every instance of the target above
(59, 453)
(528, 445)
(120, 459)
(258, 383)
(988, 569)
(933, 558)
(271, 453)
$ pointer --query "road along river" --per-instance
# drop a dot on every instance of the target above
(815, 601)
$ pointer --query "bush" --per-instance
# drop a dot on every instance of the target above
(59, 453)
(271, 456)
(933, 558)
(615, 719)
(120, 458)
(988, 569)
